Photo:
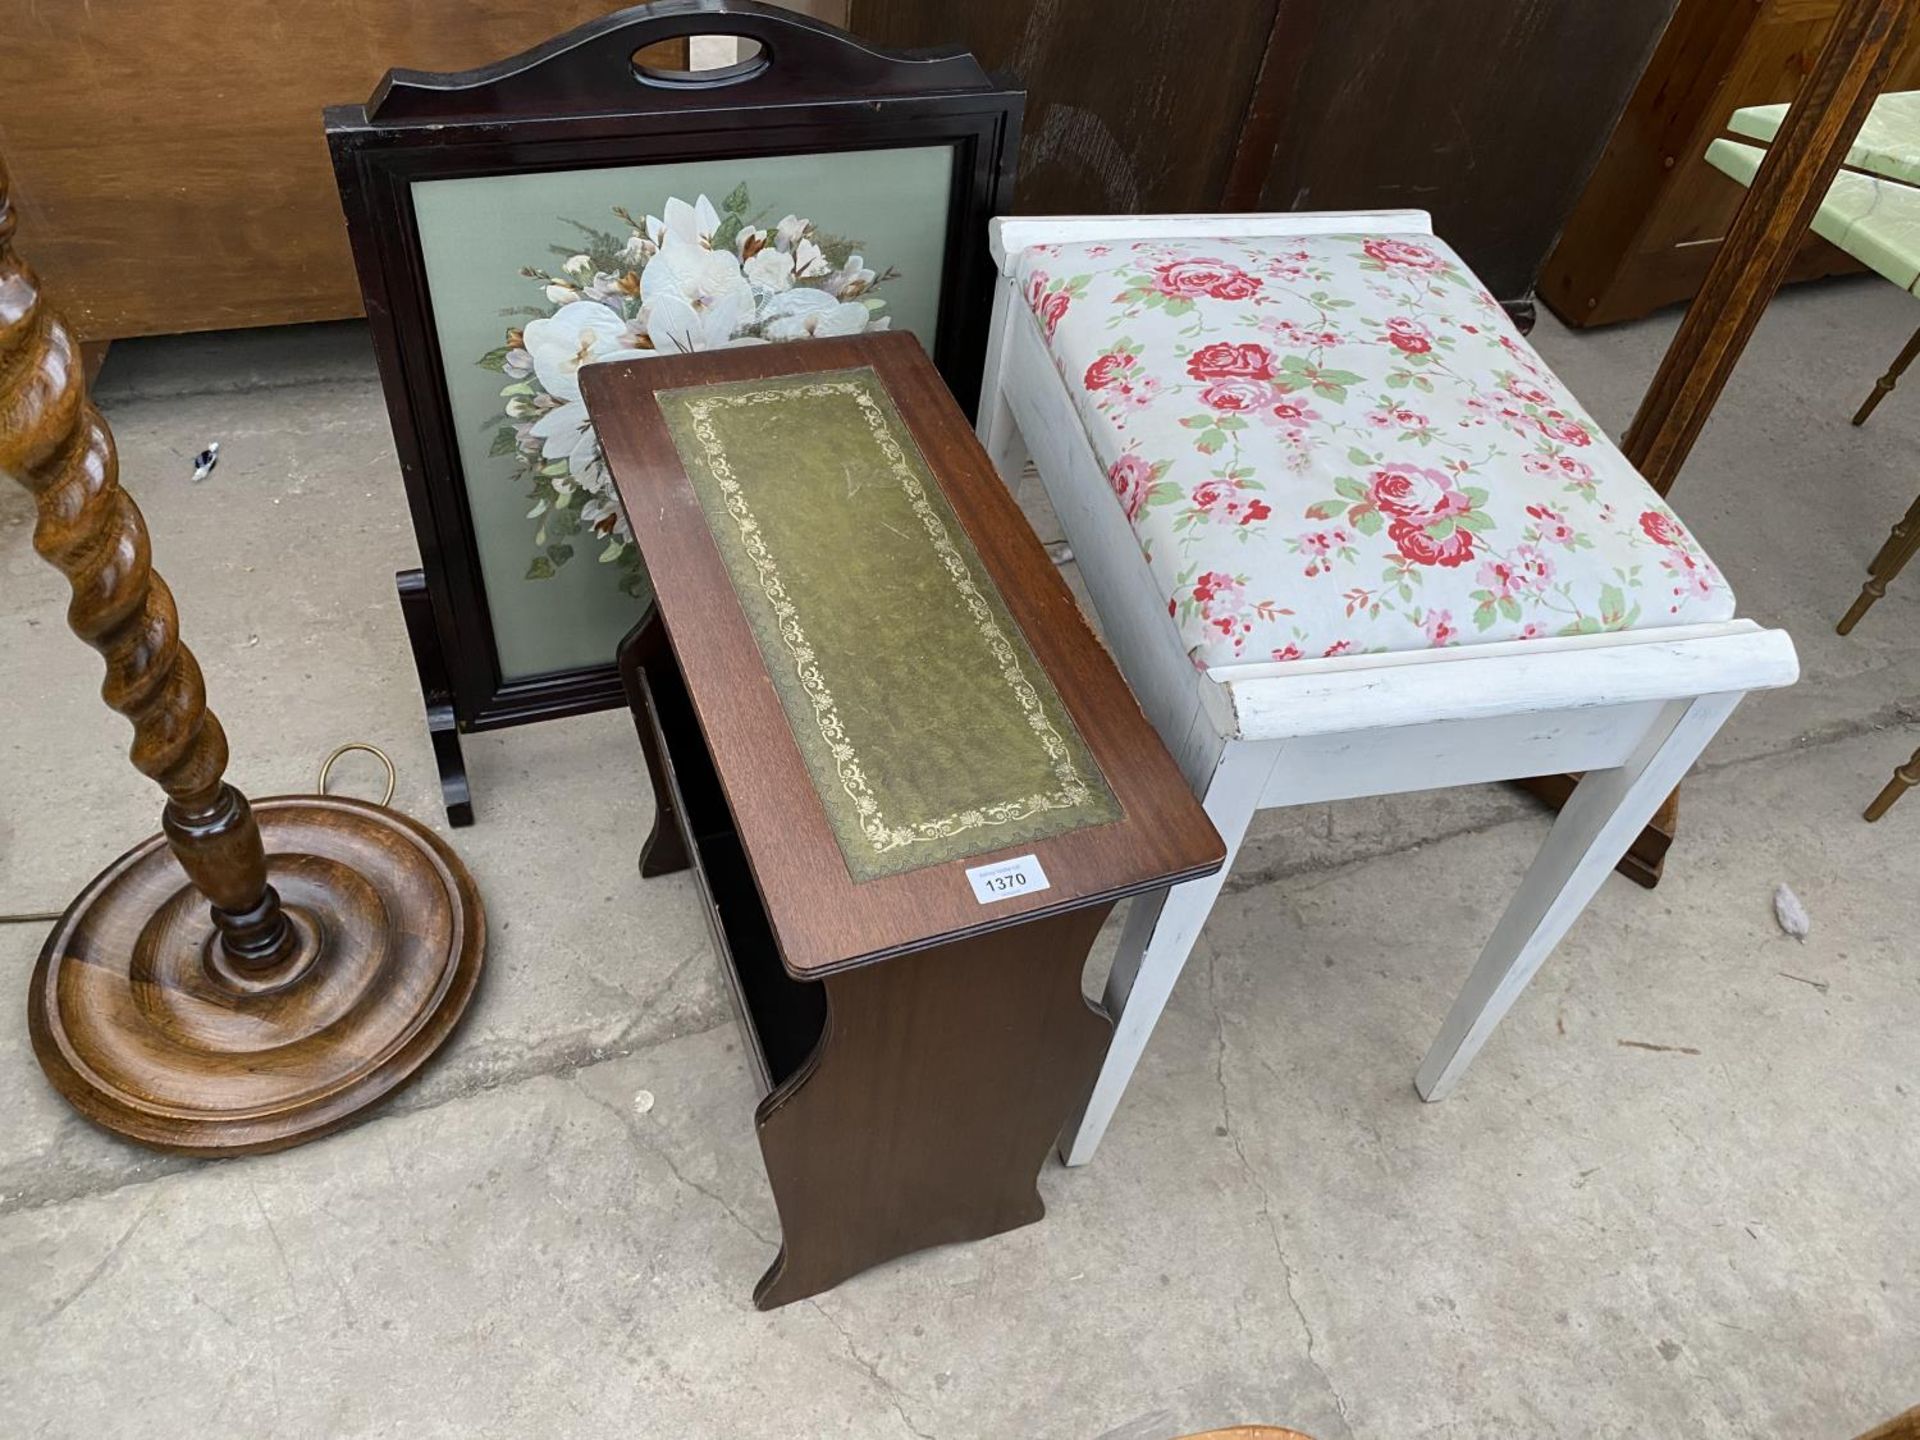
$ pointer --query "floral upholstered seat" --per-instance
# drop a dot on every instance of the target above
(1340, 444)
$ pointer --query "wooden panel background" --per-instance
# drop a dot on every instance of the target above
(1132, 105)
(1489, 113)
(1650, 221)
(171, 174)
(168, 164)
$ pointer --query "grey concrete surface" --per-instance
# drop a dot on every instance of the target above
(1674, 1197)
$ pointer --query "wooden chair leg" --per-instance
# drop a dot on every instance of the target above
(1159, 935)
(1888, 564)
(1851, 70)
(1884, 385)
(1900, 531)
(1848, 75)
(1904, 779)
(1606, 811)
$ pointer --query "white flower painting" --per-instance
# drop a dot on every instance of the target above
(692, 278)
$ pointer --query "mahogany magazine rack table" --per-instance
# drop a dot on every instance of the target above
(908, 780)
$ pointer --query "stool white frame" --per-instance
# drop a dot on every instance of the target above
(1632, 710)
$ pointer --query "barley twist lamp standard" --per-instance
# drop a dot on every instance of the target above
(254, 976)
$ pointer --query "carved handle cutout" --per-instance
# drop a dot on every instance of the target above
(685, 61)
(784, 58)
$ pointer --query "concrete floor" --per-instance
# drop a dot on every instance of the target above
(1714, 1238)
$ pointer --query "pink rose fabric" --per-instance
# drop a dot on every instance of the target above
(1389, 253)
(1221, 359)
(1132, 481)
(1338, 444)
(1414, 492)
(1117, 384)
(1235, 393)
(1420, 545)
(1105, 371)
(1440, 629)
(1052, 298)
(1409, 335)
(1662, 528)
(1211, 494)
(1190, 279)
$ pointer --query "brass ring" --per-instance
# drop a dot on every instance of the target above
(393, 775)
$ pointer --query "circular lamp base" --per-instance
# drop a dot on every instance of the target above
(150, 1030)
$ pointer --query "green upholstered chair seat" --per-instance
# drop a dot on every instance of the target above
(1874, 219)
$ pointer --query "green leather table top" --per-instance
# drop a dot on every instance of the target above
(928, 728)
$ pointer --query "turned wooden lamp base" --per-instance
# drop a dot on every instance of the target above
(151, 1030)
(251, 977)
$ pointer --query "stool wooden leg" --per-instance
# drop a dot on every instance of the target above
(1884, 385)
(1154, 945)
(1646, 857)
(1891, 560)
(1904, 779)
(1006, 447)
(998, 432)
(1599, 821)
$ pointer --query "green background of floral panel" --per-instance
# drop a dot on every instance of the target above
(477, 234)
(944, 723)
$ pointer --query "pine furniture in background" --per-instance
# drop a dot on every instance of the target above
(1653, 215)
